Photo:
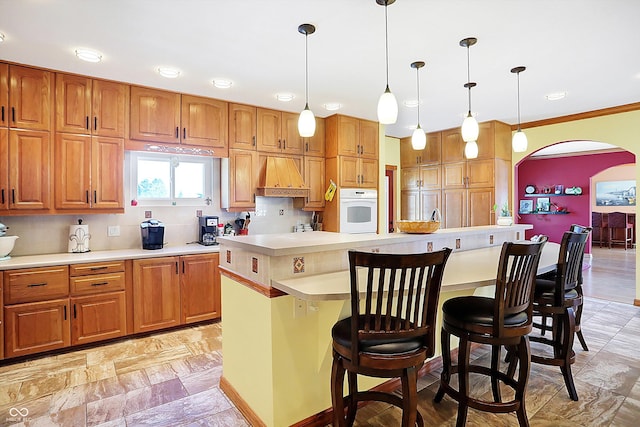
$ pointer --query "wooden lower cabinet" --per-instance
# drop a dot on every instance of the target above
(156, 294)
(468, 207)
(413, 201)
(200, 287)
(98, 317)
(36, 327)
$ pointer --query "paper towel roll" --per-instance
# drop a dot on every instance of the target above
(79, 238)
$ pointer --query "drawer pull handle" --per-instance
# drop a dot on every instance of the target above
(35, 285)
(102, 267)
(100, 284)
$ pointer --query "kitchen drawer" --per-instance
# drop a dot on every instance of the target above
(96, 268)
(97, 283)
(36, 284)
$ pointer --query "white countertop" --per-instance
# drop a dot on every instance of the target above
(464, 270)
(30, 261)
(318, 241)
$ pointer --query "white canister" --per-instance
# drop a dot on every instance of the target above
(79, 238)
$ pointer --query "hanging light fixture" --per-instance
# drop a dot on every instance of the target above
(306, 121)
(470, 129)
(519, 141)
(387, 104)
(418, 139)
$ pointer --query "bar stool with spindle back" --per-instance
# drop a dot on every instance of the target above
(391, 334)
(504, 320)
(619, 221)
(597, 224)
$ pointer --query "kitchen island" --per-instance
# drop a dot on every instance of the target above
(277, 340)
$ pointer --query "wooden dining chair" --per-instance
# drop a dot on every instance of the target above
(619, 221)
(504, 320)
(390, 333)
(560, 299)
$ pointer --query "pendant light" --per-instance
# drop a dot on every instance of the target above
(306, 121)
(519, 141)
(387, 104)
(470, 129)
(418, 139)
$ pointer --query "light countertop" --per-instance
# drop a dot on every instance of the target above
(45, 260)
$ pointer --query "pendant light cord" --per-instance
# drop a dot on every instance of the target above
(386, 40)
(518, 101)
(306, 69)
(418, 85)
(469, 77)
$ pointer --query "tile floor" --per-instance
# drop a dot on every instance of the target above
(171, 379)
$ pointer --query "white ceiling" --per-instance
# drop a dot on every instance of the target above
(588, 48)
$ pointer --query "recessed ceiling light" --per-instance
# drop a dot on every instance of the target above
(222, 83)
(170, 73)
(332, 106)
(285, 97)
(89, 55)
(555, 96)
(1, 37)
(411, 103)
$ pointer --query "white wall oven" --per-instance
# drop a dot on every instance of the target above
(358, 210)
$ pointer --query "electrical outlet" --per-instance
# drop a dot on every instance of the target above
(299, 308)
(281, 212)
(113, 230)
(147, 214)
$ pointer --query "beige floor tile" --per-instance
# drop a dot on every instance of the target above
(153, 396)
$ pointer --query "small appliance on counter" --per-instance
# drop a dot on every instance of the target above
(152, 233)
(6, 243)
(208, 230)
(78, 238)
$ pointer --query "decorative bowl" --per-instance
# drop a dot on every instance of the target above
(6, 245)
(418, 227)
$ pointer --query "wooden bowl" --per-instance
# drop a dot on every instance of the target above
(418, 227)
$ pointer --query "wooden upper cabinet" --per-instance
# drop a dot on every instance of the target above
(4, 95)
(109, 106)
(107, 172)
(314, 170)
(292, 142)
(155, 115)
(349, 136)
(243, 178)
(494, 141)
(452, 146)
(30, 98)
(242, 126)
(368, 139)
(204, 123)
(73, 104)
(4, 169)
(29, 172)
(315, 145)
(429, 155)
(269, 130)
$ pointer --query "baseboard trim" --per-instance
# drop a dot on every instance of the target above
(636, 302)
(240, 403)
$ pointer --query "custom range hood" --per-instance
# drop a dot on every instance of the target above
(281, 178)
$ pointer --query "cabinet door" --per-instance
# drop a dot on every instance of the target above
(29, 157)
(418, 205)
(368, 173)
(98, 317)
(36, 327)
(315, 145)
(155, 115)
(314, 169)
(200, 287)
(269, 130)
(452, 146)
(243, 181)
(291, 139)
(429, 155)
(454, 175)
(205, 123)
(107, 173)
(411, 178)
(73, 104)
(156, 294)
(348, 136)
(455, 208)
(73, 177)
(4, 95)
(109, 105)
(480, 173)
(431, 200)
(349, 171)
(480, 207)
(408, 156)
(430, 177)
(4, 168)
(409, 205)
(369, 137)
(242, 126)
(30, 95)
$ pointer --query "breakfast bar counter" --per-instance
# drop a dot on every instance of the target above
(282, 294)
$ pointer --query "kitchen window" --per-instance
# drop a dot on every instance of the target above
(162, 180)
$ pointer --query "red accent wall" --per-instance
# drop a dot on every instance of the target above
(574, 171)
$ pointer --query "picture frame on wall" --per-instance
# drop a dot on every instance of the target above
(526, 206)
(616, 193)
(543, 204)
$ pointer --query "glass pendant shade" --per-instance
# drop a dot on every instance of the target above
(470, 129)
(519, 141)
(471, 150)
(418, 139)
(387, 108)
(306, 123)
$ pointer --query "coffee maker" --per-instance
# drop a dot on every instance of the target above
(152, 233)
(208, 230)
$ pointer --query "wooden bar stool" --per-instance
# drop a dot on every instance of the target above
(391, 334)
(504, 320)
(597, 224)
(619, 221)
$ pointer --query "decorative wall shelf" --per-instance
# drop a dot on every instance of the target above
(543, 213)
(550, 195)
